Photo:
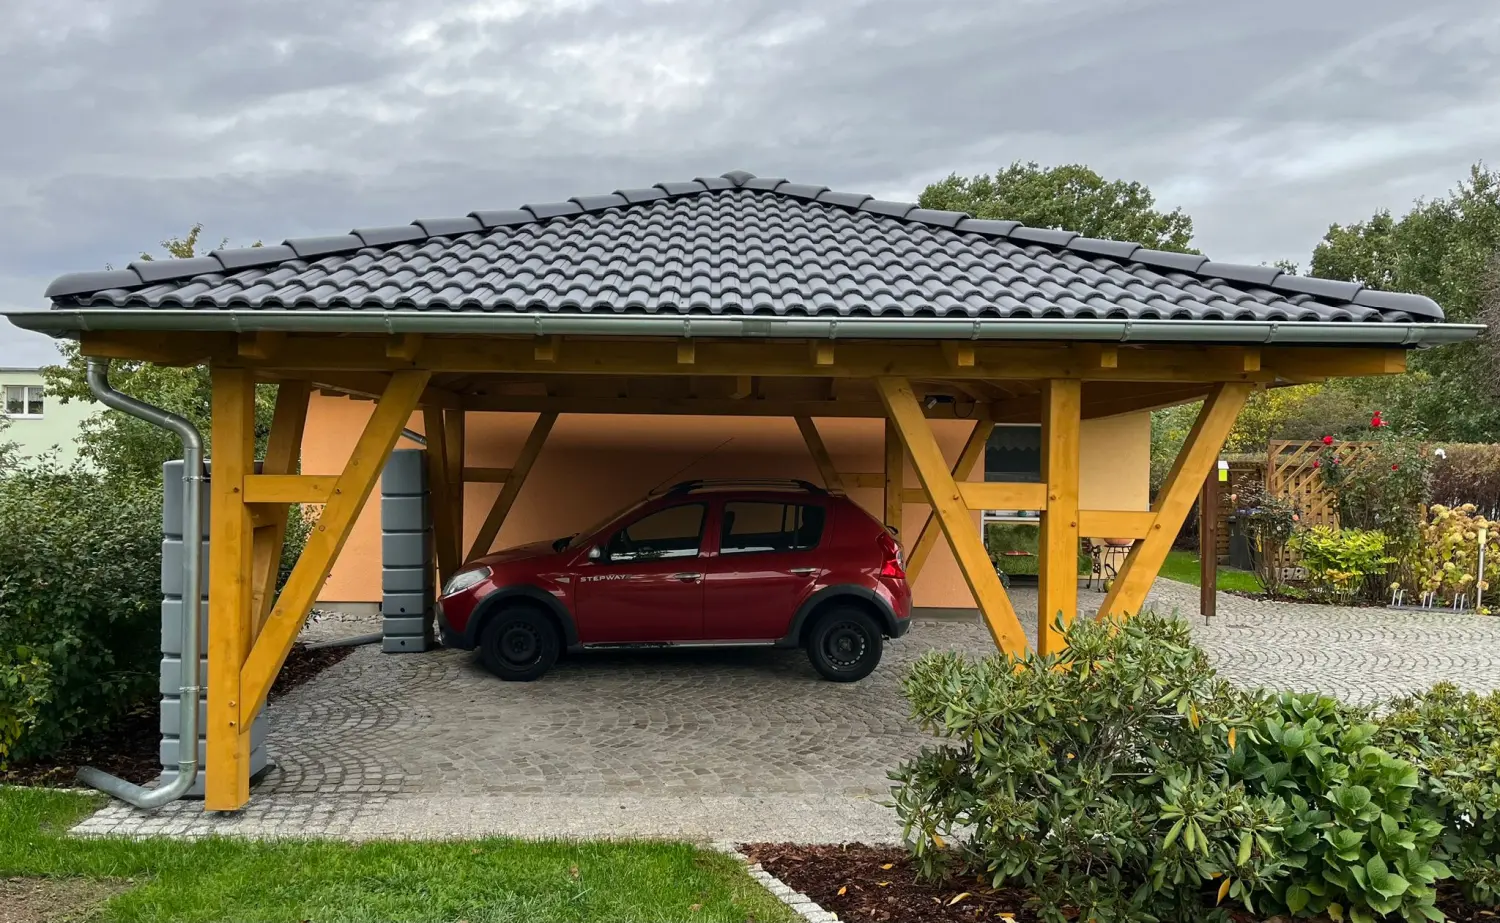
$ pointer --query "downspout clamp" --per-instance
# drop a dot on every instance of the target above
(192, 596)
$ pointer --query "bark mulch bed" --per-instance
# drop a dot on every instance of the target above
(130, 748)
(861, 883)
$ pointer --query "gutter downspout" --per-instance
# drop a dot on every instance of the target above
(192, 596)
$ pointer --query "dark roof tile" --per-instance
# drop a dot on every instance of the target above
(1240, 272)
(162, 270)
(247, 257)
(598, 203)
(311, 247)
(733, 245)
(395, 234)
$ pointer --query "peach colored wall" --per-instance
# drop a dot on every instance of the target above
(1114, 471)
(594, 464)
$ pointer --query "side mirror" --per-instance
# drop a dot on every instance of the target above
(595, 553)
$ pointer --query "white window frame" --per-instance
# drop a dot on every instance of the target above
(26, 391)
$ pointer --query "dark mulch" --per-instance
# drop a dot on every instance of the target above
(130, 748)
(862, 883)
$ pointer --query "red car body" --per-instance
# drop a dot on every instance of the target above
(747, 579)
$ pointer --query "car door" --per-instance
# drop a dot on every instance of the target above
(766, 567)
(644, 584)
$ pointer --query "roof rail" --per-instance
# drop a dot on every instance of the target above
(782, 483)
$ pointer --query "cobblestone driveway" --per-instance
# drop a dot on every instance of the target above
(737, 745)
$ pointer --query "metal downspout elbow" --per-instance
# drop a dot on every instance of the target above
(192, 597)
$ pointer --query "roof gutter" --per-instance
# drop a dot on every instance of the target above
(62, 321)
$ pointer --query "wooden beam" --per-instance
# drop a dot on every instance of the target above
(953, 517)
(893, 480)
(404, 346)
(819, 453)
(1003, 495)
(283, 453)
(360, 475)
(822, 352)
(289, 488)
(744, 386)
(230, 619)
(512, 487)
(1115, 523)
(1251, 359)
(686, 353)
(478, 475)
(262, 344)
(547, 348)
(711, 407)
(446, 544)
(959, 355)
(1057, 540)
(370, 385)
(970, 455)
(1199, 453)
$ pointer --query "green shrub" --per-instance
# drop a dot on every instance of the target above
(1357, 843)
(1343, 563)
(1094, 778)
(80, 566)
(1454, 739)
(1122, 780)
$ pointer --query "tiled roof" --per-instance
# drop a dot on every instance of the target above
(733, 245)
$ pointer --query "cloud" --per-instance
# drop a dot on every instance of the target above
(129, 120)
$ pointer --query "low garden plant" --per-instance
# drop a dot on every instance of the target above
(1123, 780)
(1342, 563)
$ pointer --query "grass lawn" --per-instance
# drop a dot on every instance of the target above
(472, 880)
(1182, 566)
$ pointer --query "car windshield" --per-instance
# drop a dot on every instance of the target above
(588, 533)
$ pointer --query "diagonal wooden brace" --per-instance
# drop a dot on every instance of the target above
(512, 488)
(953, 515)
(353, 488)
(1198, 455)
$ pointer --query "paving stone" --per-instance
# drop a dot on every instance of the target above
(715, 745)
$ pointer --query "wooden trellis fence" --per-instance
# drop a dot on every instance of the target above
(1290, 473)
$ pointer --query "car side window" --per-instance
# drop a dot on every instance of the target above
(674, 532)
(751, 526)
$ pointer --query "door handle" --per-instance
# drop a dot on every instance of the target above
(803, 570)
(688, 578)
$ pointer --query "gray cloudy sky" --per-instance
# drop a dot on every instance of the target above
(128, 120)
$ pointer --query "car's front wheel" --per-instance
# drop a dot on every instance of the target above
(844, 644)
(519, 644)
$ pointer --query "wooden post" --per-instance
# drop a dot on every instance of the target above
(454, 433)
(440, 492)
(895, 480)
(1057, 545)
(1208, 544)
(230, 617)
(953, 515)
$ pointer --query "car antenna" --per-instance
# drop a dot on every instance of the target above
(673, 476)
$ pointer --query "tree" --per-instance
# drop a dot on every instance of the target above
(1070, 197)
(1445, 249)
(120, 445)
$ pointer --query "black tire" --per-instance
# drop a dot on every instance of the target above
(519, 644)
(844, 644)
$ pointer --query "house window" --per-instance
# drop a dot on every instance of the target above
(23, 400)
(1013, 454)
(758, 526)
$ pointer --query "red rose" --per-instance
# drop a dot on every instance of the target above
(1317, 464)
(1395, 467)
(1328, 440)
(1377, 421)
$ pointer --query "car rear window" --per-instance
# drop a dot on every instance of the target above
(756, 525)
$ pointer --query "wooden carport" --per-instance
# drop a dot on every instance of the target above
(727, 295)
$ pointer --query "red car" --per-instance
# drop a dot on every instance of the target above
(702, 564)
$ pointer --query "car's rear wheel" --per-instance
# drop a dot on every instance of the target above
(844, 644)
(519, 644)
